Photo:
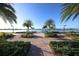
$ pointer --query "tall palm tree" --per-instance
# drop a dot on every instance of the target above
(49, 24)
(28, 24)
(7, 12)
(69, 10)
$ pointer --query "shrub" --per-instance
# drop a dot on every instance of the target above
(6, 35)
(14, 48)
(73, 35)
(70, 48)
(27, 35)
(50, 34)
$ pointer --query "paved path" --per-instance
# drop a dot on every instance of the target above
(40, 47)
(40, 44)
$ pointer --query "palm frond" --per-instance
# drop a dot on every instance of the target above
(68, 11)
(28, 24)
(49, 24)
(7, 12)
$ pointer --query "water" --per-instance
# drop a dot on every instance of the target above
(38, 30)
(61, 30)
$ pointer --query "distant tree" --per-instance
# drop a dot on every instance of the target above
(28, 24)
(49, 24)
(69, 10)
(7, 12)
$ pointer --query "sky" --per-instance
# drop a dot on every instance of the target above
(39, 13)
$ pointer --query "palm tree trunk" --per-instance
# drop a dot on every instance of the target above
(27, 30)
(49, 29)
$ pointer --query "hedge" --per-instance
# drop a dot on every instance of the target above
(6, 35)
(17, 48)
(50, 34)
(65, 48)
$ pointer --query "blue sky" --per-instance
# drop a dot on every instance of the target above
(39, 13)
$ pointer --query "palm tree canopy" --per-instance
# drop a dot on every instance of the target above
(28, 24)
(7, 12)
(69, 10)
(49, 24)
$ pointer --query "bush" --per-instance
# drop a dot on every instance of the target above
(6, 35)
(50, 34)
(70, 48)
(27, 35)
(14, 48)
(73, 35)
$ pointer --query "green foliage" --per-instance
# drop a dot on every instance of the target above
(50, 34)
(7, 12)
(14, 48)
(69, 10)
(74, 36)
(64, 48)
(28, 24)
(49, 24)
(5, 35)
(27, 35)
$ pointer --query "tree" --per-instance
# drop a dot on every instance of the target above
(49, 24)
(69, 10)
(28, 24)
(7, 12)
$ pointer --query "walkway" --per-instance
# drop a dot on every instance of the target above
(40, 44)
(40, 47)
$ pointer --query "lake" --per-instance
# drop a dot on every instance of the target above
(37, 30)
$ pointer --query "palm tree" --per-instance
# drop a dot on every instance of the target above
(7, 12)
(49, 24)
(28, 24)
(69, 10)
